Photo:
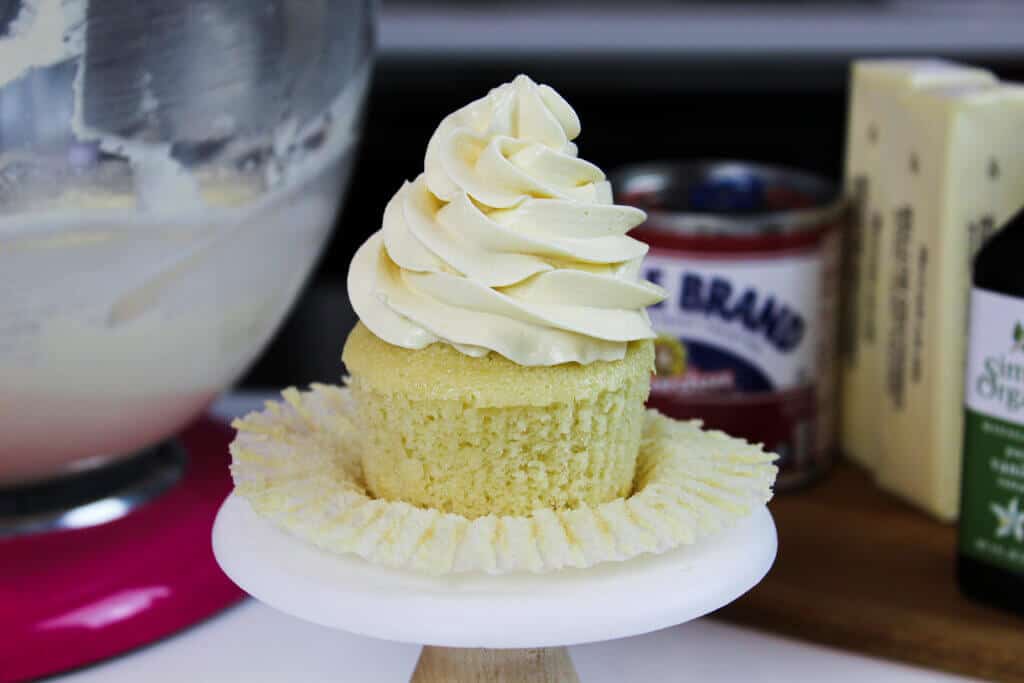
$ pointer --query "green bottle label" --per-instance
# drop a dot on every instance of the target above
(992, 514)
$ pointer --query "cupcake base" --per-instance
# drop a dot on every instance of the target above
(298, 465)
(479, 436)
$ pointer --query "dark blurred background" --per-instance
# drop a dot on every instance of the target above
(761, 81)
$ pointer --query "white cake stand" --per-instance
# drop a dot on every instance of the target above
(515, 624)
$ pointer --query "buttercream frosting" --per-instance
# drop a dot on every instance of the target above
(507, 242)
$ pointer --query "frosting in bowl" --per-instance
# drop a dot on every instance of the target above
(507, 242)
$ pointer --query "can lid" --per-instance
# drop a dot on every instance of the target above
(727, 197)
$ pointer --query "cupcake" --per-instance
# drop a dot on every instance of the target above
(493, 420)
(503, 357)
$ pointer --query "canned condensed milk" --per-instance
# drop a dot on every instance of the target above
(747, 336)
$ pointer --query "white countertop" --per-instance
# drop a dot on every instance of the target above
(254, 643)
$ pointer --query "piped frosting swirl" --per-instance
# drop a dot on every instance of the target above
(507, 242)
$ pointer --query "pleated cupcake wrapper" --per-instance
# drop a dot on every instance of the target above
(298, 465)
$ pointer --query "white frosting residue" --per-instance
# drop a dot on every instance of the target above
(508, 242)
(35, 38)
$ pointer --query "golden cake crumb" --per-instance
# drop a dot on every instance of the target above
(479, 436)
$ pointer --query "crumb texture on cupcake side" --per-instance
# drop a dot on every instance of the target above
(479, 436)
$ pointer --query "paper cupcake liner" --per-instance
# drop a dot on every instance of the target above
(298, 465)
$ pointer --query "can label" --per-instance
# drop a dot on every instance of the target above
(745, 341)
(992, 516)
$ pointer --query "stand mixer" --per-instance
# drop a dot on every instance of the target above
(169, 174)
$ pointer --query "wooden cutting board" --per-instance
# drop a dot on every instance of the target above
(859, 570)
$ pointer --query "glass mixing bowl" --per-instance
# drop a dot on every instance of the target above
(169, 173)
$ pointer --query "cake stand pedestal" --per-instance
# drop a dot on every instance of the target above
(539, 665)
(491, 628)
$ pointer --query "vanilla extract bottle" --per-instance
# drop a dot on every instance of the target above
(990, 560)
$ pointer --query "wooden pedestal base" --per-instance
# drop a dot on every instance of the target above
(470, 665)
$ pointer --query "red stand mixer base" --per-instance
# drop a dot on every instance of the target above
(72, 598)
